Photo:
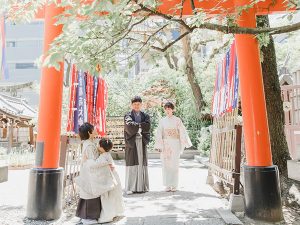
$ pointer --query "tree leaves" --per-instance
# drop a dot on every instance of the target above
(53, 60)
(109, 34)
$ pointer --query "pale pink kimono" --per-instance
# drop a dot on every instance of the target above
(172, 138)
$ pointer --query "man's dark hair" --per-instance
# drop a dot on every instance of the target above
(85, 130)
(106, 144)
(136, 99)
(169, 105)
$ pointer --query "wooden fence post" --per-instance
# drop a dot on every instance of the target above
(64, 139)
(238, 153)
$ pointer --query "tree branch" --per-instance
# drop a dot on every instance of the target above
(222, 28)
(124, 28)
(124, 35)
(246, 30)
(214, 53)
(175, 60)
(167, 17)
(158, 48)
(294, 4)
(181, 10)
(166, 54)
(193, 7)
(195, 48)
(171, 43)
(168, 45)
(146, 42)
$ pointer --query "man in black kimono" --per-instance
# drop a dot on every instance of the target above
(137, 136)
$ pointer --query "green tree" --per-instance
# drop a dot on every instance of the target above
(128, 28)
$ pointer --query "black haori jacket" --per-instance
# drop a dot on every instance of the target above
(130, 130)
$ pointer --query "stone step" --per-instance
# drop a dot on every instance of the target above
(228, 217)
(3, 174)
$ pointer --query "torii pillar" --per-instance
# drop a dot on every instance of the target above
(46, 179)
(262, 186)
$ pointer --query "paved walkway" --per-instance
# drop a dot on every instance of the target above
(194, 204)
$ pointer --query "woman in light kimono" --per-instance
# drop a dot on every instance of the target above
(171, 140)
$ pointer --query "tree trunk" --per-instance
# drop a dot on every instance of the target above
(175, 60)
(190, 72)
(280, 152)
(67, 74)
(168, 58)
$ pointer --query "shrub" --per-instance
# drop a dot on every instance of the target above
(204, 140)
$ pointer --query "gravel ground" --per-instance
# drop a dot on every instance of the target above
(194, 204)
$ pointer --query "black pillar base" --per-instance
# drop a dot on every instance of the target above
(45, 192)
(262, 193)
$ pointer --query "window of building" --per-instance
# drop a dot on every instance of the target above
(26, 66)
(11, 44)
(25, 43)
(37, 22)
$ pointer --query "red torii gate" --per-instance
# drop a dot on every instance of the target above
(262, 190)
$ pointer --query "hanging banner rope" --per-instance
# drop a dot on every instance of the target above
(226, 95)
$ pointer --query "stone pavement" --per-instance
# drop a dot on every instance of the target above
(194, 204)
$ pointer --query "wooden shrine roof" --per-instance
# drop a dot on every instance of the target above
(17, 108)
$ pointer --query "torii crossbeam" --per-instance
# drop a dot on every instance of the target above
(262, 190)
